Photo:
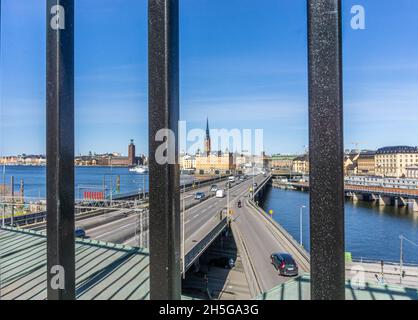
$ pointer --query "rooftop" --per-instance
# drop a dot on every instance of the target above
(397, 149)
(299, 289)
(103, 271)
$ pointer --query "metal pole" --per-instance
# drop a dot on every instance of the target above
(227, 201)
(12, 194)
(111, 181)
(4, 187)
(22, 191)
(326, 150)
(401, 260)
(300, 226)
(60, 149)
(183, 232)
(141, 230)
(143, 188)
(164, 172)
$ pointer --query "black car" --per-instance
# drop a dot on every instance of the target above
(285, 264)
(222, 262)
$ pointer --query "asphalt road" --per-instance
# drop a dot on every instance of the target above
(261, 243)
(202, 217)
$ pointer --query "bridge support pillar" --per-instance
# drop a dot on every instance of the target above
(357, 197)
(412, 205)
(384, 201)
(399, 202)
(374, 197)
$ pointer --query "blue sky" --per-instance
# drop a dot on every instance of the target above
(243, 64)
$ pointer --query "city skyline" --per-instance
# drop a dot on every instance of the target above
(237, 75)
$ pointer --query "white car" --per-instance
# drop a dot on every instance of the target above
(220, 193)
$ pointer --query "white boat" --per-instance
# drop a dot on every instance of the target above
(139, 169)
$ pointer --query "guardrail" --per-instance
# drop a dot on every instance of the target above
(261, 186)
(25, 219)
(198, 249)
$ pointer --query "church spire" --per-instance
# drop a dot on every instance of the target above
(207, 128)
(207, 139)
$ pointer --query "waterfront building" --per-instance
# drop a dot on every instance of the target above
(25, 160)
(282, 162)
(131, 154)
(393, 161)
(111, 159)
(412, 172)
(350, 163)
(241, 160)
(187, 162)
(10, 160)
(366, 163)
(262, 161)
(215, 163)
(301, 164)
(210, 162)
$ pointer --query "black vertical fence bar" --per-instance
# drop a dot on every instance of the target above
(60, 149)
(164, 184)
(326, 150)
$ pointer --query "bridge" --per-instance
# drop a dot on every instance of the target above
(382, 195)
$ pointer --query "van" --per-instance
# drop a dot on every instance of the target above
(220, 193)
(231, 179)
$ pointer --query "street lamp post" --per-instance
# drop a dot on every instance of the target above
(183, 232)
(4, 195)
(300, 225)
(227, 201)
(401, 260)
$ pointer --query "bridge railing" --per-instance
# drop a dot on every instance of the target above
(199, 248)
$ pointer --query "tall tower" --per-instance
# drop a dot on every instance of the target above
(131, 153)
(207, 138)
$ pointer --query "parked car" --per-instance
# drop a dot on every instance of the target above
(222, 262)
(231, 179)
(199, 196)
(255, 184)
(214, 188)
(80, 233)
(285, 264)
(220, 193)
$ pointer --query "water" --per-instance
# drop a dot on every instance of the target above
(86, 179)
(372, 232)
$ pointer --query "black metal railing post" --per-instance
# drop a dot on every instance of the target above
(60, 149)
(326, 150)
(164, 174)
